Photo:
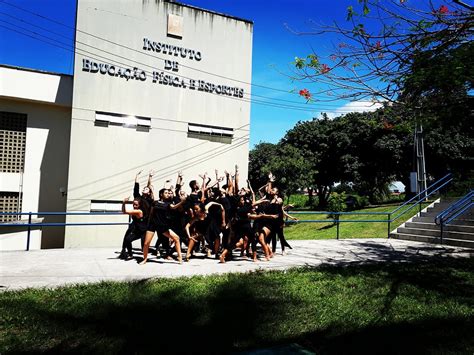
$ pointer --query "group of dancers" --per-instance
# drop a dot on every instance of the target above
(212, 218)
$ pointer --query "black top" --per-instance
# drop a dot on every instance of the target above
(160, 213)
(241, 213)
(140, 224)
(145, 201)
(225, 202)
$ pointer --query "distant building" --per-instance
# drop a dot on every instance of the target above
(157, 85)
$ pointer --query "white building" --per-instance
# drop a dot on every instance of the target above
(157, 85)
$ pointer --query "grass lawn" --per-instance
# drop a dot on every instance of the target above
(327, 230)
(426, 307)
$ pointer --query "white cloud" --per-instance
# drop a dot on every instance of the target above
(355, 106)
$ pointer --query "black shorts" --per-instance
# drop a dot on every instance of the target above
(244, 230)
(158, 228)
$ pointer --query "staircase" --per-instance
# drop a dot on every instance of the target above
(422, 228)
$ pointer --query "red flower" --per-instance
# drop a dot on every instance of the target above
(333, 57)
(378, 45)
(324, 69)
(443, 9)
(305, 93)
(387, 125)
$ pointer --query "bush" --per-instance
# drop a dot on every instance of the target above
(337, 203)
(356, 202)
(299, 201)
(343, 187)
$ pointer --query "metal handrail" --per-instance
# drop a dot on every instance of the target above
(59, 213)
(336, 215)
(454, 207)
(421, 200)
(447, 176)
(459, 213)
(339, 213)
(59, 224)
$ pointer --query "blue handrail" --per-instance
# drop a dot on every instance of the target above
(421, 200)
(447, 177)
(436, 186)
(455, 209)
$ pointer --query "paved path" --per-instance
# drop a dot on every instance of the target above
(57, 267)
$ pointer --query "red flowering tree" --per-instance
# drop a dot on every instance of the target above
(381, 46)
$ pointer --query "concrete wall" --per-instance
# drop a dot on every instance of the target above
(46, 154)
(104, 160)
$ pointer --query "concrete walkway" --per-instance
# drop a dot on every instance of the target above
(58, 267)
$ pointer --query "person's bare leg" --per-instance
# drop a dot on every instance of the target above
(175, 238)
(217, 244)
(254, 251)
(223, 255)
(269, 253)
(146, 245)
(191, 243)
(261, 239)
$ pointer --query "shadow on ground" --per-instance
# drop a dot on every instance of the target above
(233, 313)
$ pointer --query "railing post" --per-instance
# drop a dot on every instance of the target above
(29, 232)
(337, 227)
(441, 230)
(388, 225)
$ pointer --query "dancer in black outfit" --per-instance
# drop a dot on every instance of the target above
(147, 192)
(279, 224)
(159, 222)
(136, 230)
(241, 227)
(145, 201)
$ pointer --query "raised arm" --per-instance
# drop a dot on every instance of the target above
(271, 180)
(260, 190)
(137, 213)
(150, 176)
(203, 187)
(149, 185)
(236, 178)
(136, 186)
(251, 191)
(230, 186)
(179, 183)
(180, 203)
(217, 177)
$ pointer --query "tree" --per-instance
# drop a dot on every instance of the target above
(285, 162)
(259, 158)
(313, 139)
(291, 169)
(416, 59)
(379, 150)
(380, 48)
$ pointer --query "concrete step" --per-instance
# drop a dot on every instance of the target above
(430, 214)
(438, 208)
(462, 222)
(436, 233)
(423, 219)
(436, 240)
(457, 222)
(449, 227)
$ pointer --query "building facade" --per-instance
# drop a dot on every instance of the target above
(157, 85)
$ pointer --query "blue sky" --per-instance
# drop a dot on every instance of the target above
(274, 49)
